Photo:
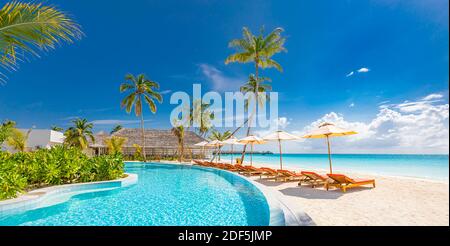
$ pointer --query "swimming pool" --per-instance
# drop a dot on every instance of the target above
(165, 195)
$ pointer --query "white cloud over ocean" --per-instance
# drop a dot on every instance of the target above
(414, 127)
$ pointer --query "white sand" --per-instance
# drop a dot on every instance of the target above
(395, 201)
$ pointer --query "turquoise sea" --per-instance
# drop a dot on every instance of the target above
(419, 166)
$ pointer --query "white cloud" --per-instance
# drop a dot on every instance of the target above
(165, 92)
(352, 105)
(433, 96)
(350, 74)
(220, 81)
(363, 70)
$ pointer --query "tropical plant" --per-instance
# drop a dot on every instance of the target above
(137, 152)
(57, 128)
(216, 135)
(5, 130)
(115, 144)
(77, 135)
(116, 129)
(142, 90)
(18, 140)
(259, 50)
(58, 165)
(178, 131)
(27, 28)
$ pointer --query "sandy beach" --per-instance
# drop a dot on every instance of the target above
(396, 201)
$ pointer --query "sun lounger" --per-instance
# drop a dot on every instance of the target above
(250, 170)
(286, 175)
(313, 179)
(343, 182)
(269, 172)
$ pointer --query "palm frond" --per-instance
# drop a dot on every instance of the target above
(31, 28)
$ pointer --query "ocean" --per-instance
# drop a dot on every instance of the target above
(435, 167)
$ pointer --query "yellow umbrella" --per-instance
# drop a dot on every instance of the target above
(252, 140)
(278, 136)
(232, 141)
(327, 130)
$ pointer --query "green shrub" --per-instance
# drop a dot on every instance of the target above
(55, 166)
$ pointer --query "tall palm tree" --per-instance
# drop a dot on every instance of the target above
(77, 135)
(259, 50)
(115, 144)
(18, 140)
(142, 90)
(27, 28)
(201, 115)
(116, 129)
(257, 86)
(216, 135)
(178, 131)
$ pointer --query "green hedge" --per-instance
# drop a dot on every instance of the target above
(55, 166)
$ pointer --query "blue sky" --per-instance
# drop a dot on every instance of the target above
(403, 45)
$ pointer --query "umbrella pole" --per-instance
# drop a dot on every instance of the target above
(251, 156)
(281, 155)
(232, 154)
(329, 154)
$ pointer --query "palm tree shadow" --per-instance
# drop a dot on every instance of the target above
(311, 193)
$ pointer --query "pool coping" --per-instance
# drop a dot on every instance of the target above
(276, 202)
(35, 198)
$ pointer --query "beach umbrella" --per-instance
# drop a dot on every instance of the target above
(232, 141)
(202, 144)
(252, 140)
(279, 136)
(327, 130)
(215, 143)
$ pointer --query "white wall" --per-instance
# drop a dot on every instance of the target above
(40, 138)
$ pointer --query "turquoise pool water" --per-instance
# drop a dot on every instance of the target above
(434, 167)
(165, 195)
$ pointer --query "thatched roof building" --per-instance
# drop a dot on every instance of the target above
(157, 142)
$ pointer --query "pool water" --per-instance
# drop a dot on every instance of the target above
(165, 195)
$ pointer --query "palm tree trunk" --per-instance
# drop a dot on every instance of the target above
(256, 101)
(143, 133)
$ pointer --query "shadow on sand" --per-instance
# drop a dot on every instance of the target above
(319, 193)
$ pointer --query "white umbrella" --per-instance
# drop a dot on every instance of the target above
(232, 141)
(252, 140)
(202, 144)
(327, 130)
(215, 143)
(278, 136)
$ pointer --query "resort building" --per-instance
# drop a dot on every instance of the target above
(158, 143)
(39, 138)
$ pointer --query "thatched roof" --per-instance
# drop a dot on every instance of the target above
(153, 138)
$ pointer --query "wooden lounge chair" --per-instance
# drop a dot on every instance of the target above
(313, 179)
(198, 162)
(251, 171)
(286, 175)
(343, 182)
(269, 173)
(227, 166)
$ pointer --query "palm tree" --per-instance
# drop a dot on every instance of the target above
(201, 115)
(77, 135)
(259, 50)
(27, 28)
(116, 129)
(257, 86)
(141, 89)
(57, 128)
(178, 131)
(115, 144)
(5, 130)
(216, 135)
(18, 140)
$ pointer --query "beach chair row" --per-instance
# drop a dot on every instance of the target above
(314, 179)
